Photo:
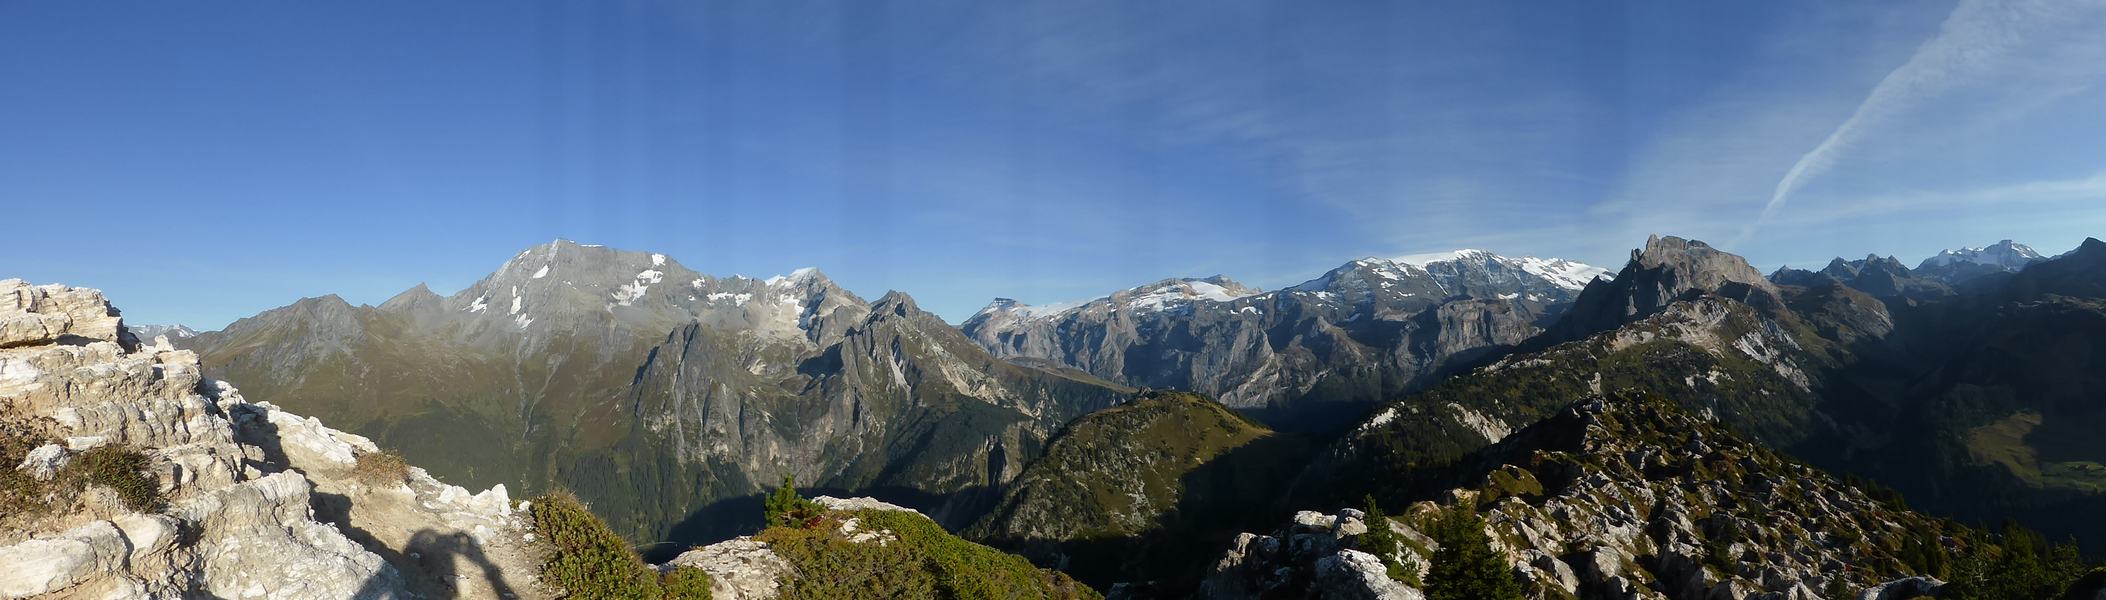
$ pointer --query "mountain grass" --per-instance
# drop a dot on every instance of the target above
(380, 468)
(20, 494)
(583, 558)
(121, 469)
(920, 561)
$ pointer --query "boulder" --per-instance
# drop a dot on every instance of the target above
(44, 462)
(860, 503)
(1356, 575)
(48, 314)
(739, 569)
(1903, 589)
(44, 565)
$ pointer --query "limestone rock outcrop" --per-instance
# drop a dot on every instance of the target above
(1315, 556)
(234, 499)
(744, 568)
(35, 315)
(1614, 497)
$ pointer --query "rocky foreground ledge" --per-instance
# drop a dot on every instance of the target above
(234, 499)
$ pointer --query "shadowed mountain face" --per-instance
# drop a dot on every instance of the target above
(663, 396)
(1975, 404)
(1144, 491)
(1880, 277)
(1617, 496)
(1312, 356)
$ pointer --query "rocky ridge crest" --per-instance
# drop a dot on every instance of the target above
(252, 501)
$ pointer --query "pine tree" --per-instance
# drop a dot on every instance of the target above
(1465, 567)
(1385, 543)
(785, 507)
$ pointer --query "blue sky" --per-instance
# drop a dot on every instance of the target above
(202, 161)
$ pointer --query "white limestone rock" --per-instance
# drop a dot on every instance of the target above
(739, 569)
(242, 482)
(859, 503)
(46, 314)
(44, 565)
(1356, 575)
(44, 462)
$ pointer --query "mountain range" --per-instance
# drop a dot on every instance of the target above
(665, 397)
(669, 400)
(1310, 356)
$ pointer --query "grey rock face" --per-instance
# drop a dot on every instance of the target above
(1365, 330)
(1667, 269)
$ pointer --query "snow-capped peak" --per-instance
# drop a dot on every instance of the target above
(1421, 260)
(2005, 254)
(1027, 311)
(1568, 274)
(1165, 293)
(794, 276)
(1571, 275)
(1168, 293)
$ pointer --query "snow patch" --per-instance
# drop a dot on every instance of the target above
(658, 260)
(629, 293)
(480, 303)
(541, 273)
(1563, 273)
(1180, 292)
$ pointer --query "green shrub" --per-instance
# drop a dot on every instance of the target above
(970, 571)
(121, 469)
(830, 567)
(585, 559)
(923, 561)
(19, 493)
(685, 582)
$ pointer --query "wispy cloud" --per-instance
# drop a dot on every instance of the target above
(1384, 118)
(1977, 39)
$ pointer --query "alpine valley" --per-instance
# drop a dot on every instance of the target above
(1455, 425)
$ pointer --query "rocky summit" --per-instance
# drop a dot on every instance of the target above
(130, 474)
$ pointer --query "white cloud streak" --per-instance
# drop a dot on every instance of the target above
(1978, 36)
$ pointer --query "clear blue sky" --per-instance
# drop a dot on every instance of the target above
(203, 161)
